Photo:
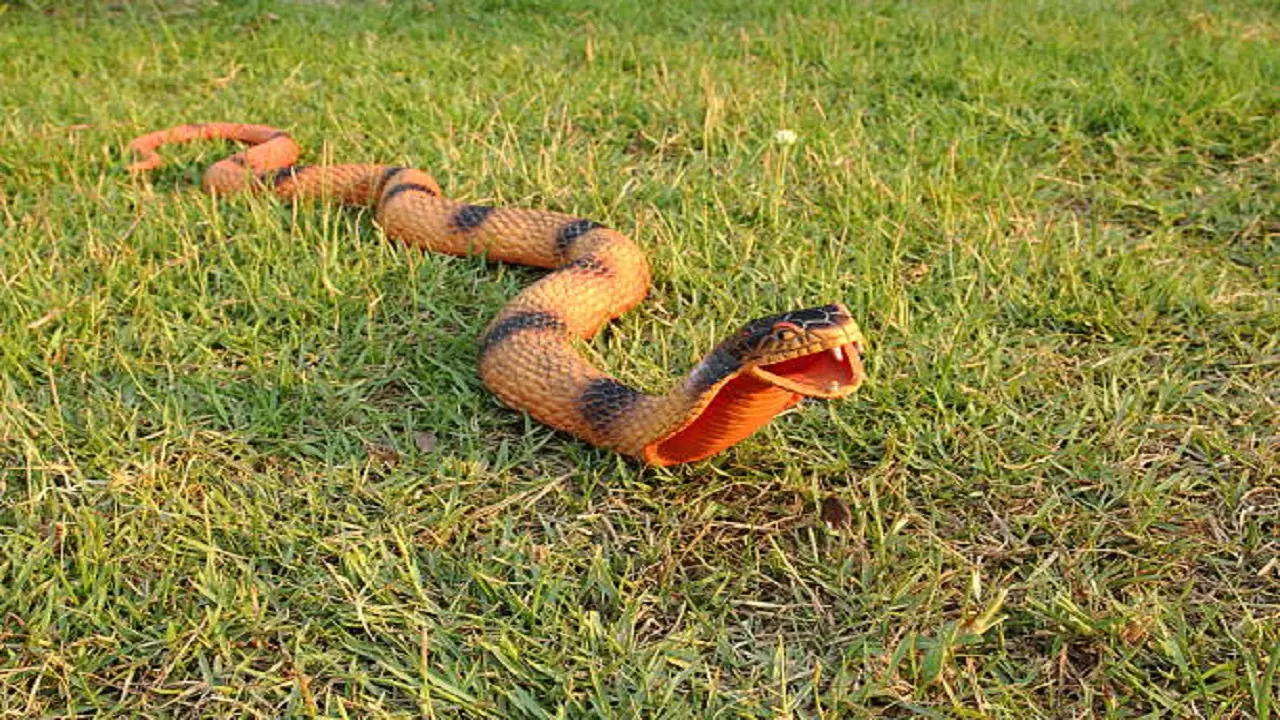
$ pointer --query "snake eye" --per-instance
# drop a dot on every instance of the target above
(785, 331)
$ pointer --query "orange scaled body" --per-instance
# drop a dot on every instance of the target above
(527, 357)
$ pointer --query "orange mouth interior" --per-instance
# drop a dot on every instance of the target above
(749, 400)
(819, 374)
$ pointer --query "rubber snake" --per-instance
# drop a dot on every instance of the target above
(526, 354)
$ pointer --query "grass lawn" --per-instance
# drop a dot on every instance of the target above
(247, 468)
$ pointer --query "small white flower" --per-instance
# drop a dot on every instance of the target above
(785, 137)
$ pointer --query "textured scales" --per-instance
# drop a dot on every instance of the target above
(527, 357)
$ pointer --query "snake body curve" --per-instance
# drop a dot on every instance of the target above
(526, 354)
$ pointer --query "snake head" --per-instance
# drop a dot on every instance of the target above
(764, 368)
(814, 352)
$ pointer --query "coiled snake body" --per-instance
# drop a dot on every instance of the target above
(527, 357)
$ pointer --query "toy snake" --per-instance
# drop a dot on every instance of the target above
(526, 354)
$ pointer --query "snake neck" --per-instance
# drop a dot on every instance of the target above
(703, 423)
(712, 409)
(702, 415)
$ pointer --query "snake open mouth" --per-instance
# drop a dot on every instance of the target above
(830, 373)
